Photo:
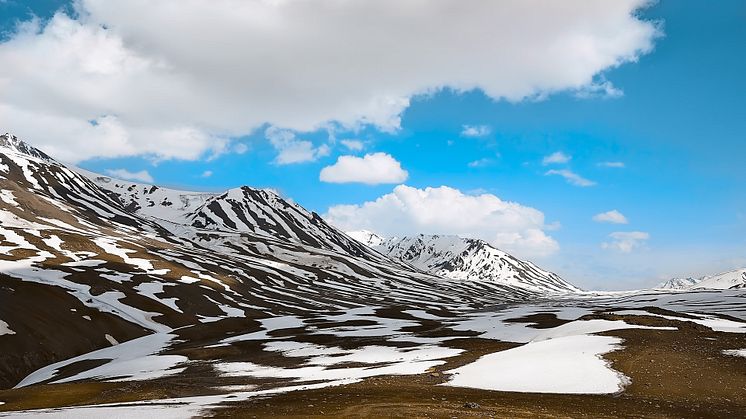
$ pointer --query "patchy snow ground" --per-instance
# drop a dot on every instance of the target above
(715, 323)
(136, 359)
(564, 359)
(389, 361)
(570, 364)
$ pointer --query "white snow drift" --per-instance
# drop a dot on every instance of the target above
(570, 364)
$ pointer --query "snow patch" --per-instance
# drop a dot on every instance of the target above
(568, 365)
(5, 329)
(735, 352)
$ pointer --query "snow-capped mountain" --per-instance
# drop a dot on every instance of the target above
(726, 280)
(101, 265)
(463, 259)
(735, 279)
(244, 210)
(677, 284)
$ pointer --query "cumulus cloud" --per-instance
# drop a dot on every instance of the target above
(372, 169)
(353, 145)
(612, 164)
(475, 131)
(613, 217)
(626, 241)
(571, 177)
(177, 78)
(291, 149)
(557, 157)
(124, 174)
(407, 210)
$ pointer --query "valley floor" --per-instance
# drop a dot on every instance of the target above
(635, 355)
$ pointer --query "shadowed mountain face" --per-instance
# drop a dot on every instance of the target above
(88, 260)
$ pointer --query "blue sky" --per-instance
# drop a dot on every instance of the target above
(676, 120)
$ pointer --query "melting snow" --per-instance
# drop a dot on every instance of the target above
(715, 323)
(8, 197)
(136, 359)
(396, 361)
(571, 364)
(5, 329)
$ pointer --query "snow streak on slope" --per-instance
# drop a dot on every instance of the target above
(462, 259)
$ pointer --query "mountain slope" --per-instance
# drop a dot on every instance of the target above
(462, 259)
(244, 210)
(82, 267)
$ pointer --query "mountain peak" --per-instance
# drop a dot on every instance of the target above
(457, 258)
(15, 145)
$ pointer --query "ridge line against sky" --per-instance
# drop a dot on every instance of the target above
(586, 139)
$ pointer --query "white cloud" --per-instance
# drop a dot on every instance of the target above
(240, 148)
(206, 174)
(571, 177)
(291, 149)
(372, 169)
(176, 78)
(407, 210)
(353, 145)
(557, 157)
(475, 131)
(626, 241)
(600, 89)
(612, 164)
(613, 217)
(124, 174)
(480, 163)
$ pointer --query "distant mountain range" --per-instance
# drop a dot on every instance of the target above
(735, 279)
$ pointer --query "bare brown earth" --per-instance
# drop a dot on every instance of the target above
(674, 374)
